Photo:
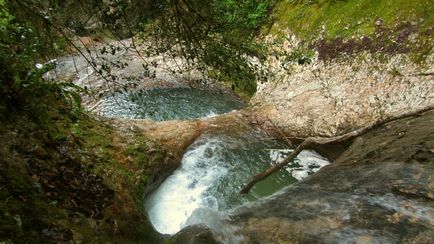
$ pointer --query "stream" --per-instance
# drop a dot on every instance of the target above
(213, 170)
(216, 165)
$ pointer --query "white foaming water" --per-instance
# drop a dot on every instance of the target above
(172, 204)
(213, 171)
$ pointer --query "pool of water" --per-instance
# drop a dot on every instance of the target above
(217, 165)
(168, 104)
(213, 171)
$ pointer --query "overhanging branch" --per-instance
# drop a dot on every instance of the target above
(309, 142)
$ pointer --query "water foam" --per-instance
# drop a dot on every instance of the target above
(182, 193)
(212, 173)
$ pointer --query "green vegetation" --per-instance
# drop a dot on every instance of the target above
(214, 36)
(72, 177)
(341, 28)
(346, 18)
(64, 175)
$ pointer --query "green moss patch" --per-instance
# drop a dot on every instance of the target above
(344, 18)
(343, 27)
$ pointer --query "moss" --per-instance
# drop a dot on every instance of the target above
(137, 151)
(342, 28)
(92, 133)
(347, 17)
(25, 214)
(141, 157)
(72, 177)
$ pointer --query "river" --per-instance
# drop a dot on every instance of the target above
(216, 165)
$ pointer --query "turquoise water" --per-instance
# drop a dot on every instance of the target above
(168, 104)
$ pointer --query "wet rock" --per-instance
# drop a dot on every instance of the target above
(177, 135)
(383, 197)
(73, 188)
(361, 196)
(57, 234)
(194, 235)
(414, 191)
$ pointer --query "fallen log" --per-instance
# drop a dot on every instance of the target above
(309, 142)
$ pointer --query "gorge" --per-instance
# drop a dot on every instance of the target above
(145, 121)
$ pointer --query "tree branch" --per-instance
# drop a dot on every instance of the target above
(312, 141)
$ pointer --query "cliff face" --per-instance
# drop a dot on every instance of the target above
(332, 97)
(338, 65)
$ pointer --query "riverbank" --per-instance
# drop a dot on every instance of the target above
(75, 177)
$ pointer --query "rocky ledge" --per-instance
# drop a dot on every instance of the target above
(379, 190)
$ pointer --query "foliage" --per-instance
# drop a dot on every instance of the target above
(241, 16)
(69, 176)
(57, 163)
(215, 36)
(300, 56)
(22, 85)
(53, 156)
(87, 17)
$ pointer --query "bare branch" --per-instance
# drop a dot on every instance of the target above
(312, 141)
